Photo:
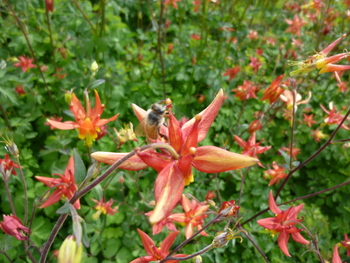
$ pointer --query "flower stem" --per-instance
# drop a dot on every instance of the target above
(21, 176)
(9, 197)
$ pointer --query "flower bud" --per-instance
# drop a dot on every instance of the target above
(94, 67)
(69, 251)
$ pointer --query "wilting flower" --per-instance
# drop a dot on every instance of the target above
(273, 92)
(70, 251)
(232, 72)
(276, 174)
(246, 91)
(13, 226)
(103, 207)
(65, 185)
(346, 244)
(284, 224)
(157, 253)
(255, 64)
(309, 119)
(193, 216)
(7, 166)
(333, 116)
(174, 165)
(25, 63)
(295, 25)
(87, 122)
(251, 147)
(321, 61)
(126, 134)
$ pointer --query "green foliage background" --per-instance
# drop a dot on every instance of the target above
(121, 35)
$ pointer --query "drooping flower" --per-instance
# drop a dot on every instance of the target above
(7, 166)
(276, 174)
(157, 253)
(287, 98)
(172, 2)
(25, 63)
(284, 224)
(251, 147)
(232, 72)
(193, 216)
(87, 122)
(70, 251)
(49, 5)
(175, 164)
(13, 226)
(229, 208)
(103, 207)
(335, 257)
(273, 92)
(65, 185)
(246, 91)
(295, 25)
(321, 61)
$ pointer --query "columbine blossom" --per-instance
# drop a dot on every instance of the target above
(7, 166)
(309, 119)
(273, 92)
(157, 253)
(287, 98)
(232, 72)
(276, 174)
(335, 257)
(295, 25)
(13, 226)
(333, 116)
(104, 208)
(246, 91)
(251, 147)
(172, 2)
(284, 224)
(65, 185)
(346, 244)
(193, 216)
(174, 167)
(255, 64)
(321, 61)
(25, 63)
(88, 123)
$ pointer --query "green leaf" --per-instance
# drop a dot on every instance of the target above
(97, 83)
(63, 209)
(79, 168)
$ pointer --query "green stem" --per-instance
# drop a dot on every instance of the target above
(9, 196)
(85, 16)
(21, 176)
(51, 40)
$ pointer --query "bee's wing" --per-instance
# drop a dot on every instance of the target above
(152, 131)
(140, 131)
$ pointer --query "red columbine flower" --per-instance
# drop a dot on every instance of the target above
(321, 61)
(254, 126)
(157, 253)
(104, 208)
(318, 135)
(158, 227)
(13, 226)
(7, 166)
(65, 185)
(287, 98)
(255, 64)
(276, 174)
(232, 72)
(25, 63)
(19, 90)
(53, 118)
(283, 223)
(246, 91)
(172, 2)
(193, 216)
(333, 116)
(273, 92)
(87, 122)
(174, 165)
(295, 151)
(346, 244)
(309, 119)
(229, 208)
(295, 25)
(251, 147)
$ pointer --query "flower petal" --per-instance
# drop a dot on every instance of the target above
(67, 125)
(147, 242)
(132, 164)
(167, 190)
(175, 138)
(272, 204)
(283, 238)
(211, 159)
(167, 242)
(54, 198)
(335, 256)
(76, 108)
(297, 237)
(154, 159)
(208, 116)
(268, 223)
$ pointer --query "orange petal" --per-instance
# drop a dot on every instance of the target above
(67, 125)
(132, 164)
(208, 116)
(167, 190)
(272, 204)
(211, 159)
(147, 242)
